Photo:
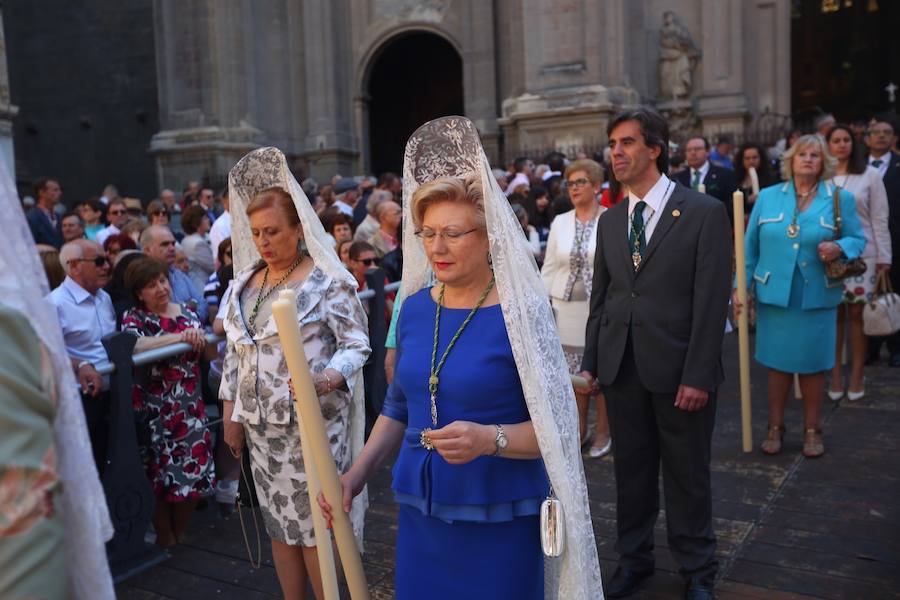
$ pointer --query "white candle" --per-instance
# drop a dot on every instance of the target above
(319, 457)
(754, 180)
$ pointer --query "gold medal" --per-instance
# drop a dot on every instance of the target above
(636, 260)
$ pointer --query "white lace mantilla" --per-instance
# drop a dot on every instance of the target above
(23, 286)
(450, 147)
(261, 169)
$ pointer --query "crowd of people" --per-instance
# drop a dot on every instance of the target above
(636, 326)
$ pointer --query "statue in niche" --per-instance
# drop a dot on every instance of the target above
(678, 56)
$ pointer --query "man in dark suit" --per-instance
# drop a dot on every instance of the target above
(654, 335)
(42, 219)
(881, 136)
(719, 182)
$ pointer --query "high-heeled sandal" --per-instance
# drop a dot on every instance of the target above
(812, 443)
(772, 444)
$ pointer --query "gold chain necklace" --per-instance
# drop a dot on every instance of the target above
(433, 379)
(793, 230)
(261, 297)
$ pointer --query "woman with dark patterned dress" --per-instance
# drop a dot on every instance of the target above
(179, 458)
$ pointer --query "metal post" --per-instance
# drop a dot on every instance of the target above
(128, 492)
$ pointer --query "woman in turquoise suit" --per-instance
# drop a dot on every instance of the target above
(481, 406)
(790, 237)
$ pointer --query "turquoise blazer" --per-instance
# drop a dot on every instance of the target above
(772, 256)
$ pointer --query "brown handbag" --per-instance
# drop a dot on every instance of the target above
(841, 267)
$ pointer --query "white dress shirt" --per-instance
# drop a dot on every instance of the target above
(704, 170)
(883, 167)
(84, 319)
(656, 200)
(106, 232)
(220, 230)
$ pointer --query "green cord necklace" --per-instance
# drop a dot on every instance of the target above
(435, 370)
(263, 293)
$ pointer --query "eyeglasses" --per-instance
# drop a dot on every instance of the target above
(368, 261)
(115, 213)
(448, 235)
(881, 131)
(578, 183)
(98, 261)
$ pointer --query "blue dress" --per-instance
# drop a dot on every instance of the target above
(796, 324)
(467, 530)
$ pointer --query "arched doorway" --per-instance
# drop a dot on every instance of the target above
(415, 78)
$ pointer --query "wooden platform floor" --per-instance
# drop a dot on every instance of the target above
(788, 527)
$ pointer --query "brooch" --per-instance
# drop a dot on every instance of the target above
(424, 440)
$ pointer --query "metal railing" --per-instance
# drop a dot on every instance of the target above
(128, 491)
(157, 354)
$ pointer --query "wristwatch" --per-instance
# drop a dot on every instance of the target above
(501, 442)
(82, 364)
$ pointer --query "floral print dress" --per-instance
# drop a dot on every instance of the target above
(179, 459)
(255, 376)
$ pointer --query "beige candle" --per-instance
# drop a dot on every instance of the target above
(324, 549)
(319, 457)
(743, 321)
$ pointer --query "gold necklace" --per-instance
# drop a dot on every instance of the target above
(261, 297)
(433, 379)
(793, 230)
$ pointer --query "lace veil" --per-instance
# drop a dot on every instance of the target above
(23, 285)
(450, 147)
(261, 169)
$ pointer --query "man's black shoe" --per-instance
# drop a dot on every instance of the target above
(698, 591)
(895, 360)
(625, 582)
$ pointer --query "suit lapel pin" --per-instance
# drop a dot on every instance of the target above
(676, 213)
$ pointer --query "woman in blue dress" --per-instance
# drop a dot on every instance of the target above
(481, 406)
(790, 237)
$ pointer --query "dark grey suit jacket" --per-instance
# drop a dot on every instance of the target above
(674, 306)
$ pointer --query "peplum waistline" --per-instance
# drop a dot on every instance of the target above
(511, 488)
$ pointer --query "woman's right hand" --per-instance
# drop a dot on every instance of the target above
(737, 306)
(195, 337)
(234, 437)
(350, 488)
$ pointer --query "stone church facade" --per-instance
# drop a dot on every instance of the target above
(340, 84)
(235, 74)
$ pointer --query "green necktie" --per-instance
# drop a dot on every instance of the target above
(695, 181)
(877, 163)
(637, 241)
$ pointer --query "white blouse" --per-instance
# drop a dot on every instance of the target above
(872, 207)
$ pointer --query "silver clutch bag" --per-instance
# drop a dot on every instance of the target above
(553, 526)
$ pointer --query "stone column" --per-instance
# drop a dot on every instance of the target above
(479, 73)
(331, 145)
(567, 100)
(8, 111)
(204, 90)
(723, 106)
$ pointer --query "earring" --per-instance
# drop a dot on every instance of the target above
(490, 260)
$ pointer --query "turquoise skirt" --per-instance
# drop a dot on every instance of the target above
(796, 340)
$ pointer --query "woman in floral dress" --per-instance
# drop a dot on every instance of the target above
(179, 457)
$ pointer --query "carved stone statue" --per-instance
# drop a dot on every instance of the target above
(678, 56)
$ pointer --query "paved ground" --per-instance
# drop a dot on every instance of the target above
(788, 527)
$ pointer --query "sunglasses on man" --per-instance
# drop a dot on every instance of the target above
(98, 261)
(368, 261)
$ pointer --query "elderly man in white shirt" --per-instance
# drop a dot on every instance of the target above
(86, 315)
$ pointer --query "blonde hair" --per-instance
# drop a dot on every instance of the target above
(591, 167)
(274, 197)
(466, 191)
(829, 163)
